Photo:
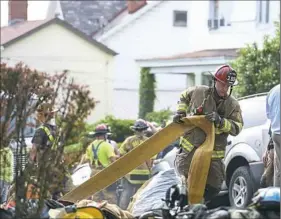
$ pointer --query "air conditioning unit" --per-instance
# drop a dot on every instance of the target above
(222, 22)
(216, 24)
(210, 23)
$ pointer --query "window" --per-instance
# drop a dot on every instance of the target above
(254, 117)
(207, 79)
(263, 11)
(218, 12)
(180, 18)
(190, 79)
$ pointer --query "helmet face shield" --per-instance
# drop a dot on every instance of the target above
(232, 78)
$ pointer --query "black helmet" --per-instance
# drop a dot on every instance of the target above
(101, 129)
(139, 125)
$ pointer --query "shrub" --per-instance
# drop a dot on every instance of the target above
(120, 128)
(159, 116)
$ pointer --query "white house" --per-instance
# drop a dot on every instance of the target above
(179, 41)
(53, 45)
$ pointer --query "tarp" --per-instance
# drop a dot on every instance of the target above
(154, 192)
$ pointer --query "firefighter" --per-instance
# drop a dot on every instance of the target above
(220, 108)
(100, 154)
(112, 142)
(43, 150)
(108, 137)
(141, 174)
(268, 161)
(46, 133)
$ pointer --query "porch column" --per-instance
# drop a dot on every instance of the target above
(198, 78)
(190, 80)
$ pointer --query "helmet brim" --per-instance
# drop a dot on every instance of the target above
(52, 111)
(138, 129)
(99, 133)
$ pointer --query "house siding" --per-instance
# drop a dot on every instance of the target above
(153, 35)
(54, 49)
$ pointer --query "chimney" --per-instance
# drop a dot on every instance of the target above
(134, 5)
(17, 11)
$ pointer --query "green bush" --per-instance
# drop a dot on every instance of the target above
(159, 116)
(258, 68)
(146, 92)
(120, 128)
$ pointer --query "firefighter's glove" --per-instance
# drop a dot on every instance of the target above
(215, 118)
(177, 118)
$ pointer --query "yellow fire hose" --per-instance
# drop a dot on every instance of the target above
(198, 170)
(200, 164)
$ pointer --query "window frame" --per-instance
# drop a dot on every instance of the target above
(175, 24)
(251, 121)
(263, 12)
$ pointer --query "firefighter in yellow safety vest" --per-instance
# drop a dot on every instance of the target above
(141, 174)
(220, 108)
(100, 154)
(44, 145)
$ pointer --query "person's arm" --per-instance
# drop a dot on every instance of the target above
(234, 123)
(37, 142)
(124, 148)
(88, 156)
(84, 159)
(152, 128)
(184, 101)
(116, 150)
(183, 104)
(112, 159)
(110, 152)
(32, 153)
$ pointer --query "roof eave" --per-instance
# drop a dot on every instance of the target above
(86, 37)
(69, 27)
(181, 61)
(10, 42)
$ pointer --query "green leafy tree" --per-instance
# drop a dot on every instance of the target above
(258, 68)
(146, 93)
(159, 116)
(22, 90)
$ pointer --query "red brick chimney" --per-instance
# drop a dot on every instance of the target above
(134, 5)
(17, 11)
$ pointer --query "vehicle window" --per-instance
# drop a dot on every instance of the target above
(253, 111)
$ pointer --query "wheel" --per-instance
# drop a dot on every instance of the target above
(126, 194)
(241, 188)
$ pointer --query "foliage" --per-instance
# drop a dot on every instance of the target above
(22, 90)
(146, 93)
(120, 128)
(258, 68)
(74, 152)
(159, 116)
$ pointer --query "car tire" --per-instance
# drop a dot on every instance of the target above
(241, 187)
